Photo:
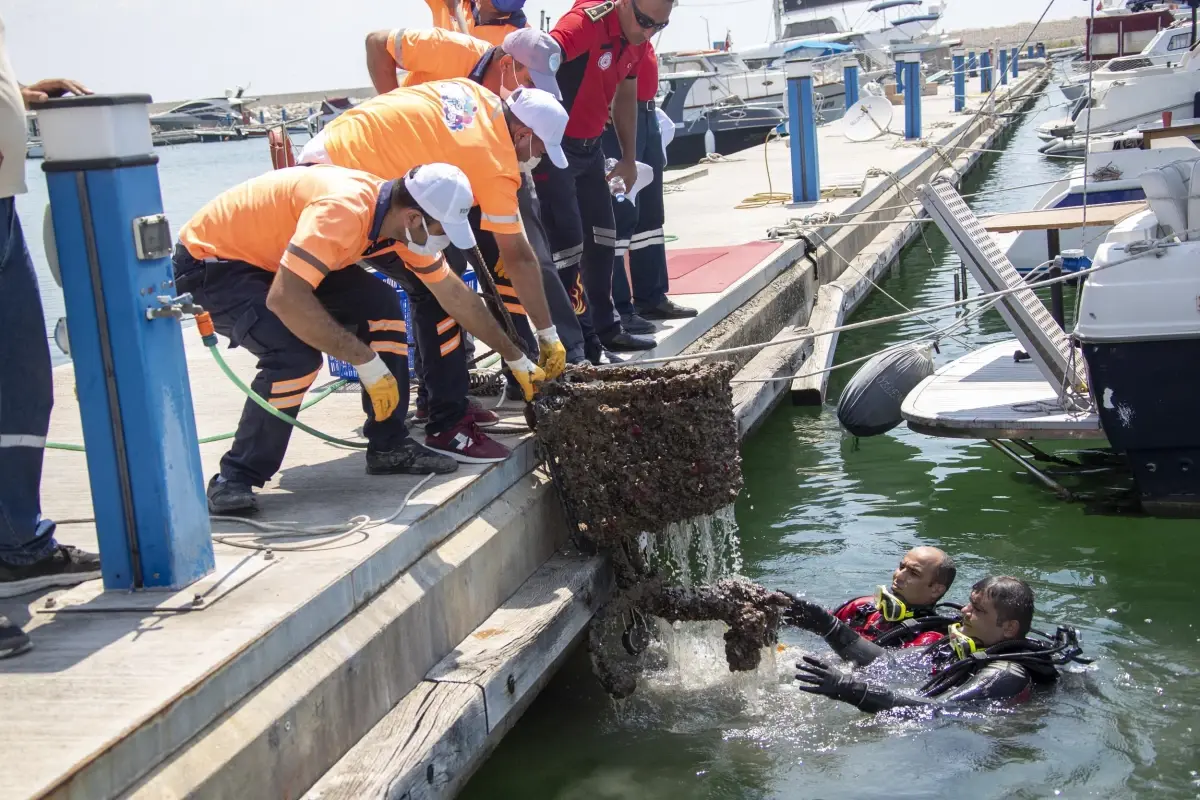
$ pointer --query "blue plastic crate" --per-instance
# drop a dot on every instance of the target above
(344, 370)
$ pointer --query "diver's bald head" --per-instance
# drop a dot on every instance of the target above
(925, 574)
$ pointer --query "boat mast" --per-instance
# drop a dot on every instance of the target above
(777, 10)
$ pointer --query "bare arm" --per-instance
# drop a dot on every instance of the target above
(380, 64)
(292, 300)
(469, 311)
(522, 265)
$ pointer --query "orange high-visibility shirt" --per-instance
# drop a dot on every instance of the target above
(434, 54)
(309, 220)
(456, 122)
(442, 18)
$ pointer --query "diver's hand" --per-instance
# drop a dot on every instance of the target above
(381, 387)
(809, 616)
(553, 356)
(527, 375)
(818, 677)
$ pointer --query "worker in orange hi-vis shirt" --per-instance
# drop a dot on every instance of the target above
(274, 261)
(461, 123)
(489, 20)
(529, 58)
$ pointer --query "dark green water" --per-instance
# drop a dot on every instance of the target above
(828, 516)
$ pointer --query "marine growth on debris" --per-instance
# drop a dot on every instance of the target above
(632, 450)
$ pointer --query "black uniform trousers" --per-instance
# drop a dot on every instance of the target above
(234, 293)
(640, 226)
(577, 212)
(562, 312)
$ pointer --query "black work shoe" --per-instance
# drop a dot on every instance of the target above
(66, 566)
(632, 323)
(667, 309)
(230, 497)
(13, 640)
(410, 458)
(623, 342)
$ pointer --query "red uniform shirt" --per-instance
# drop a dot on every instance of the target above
(596, 58)
(860, 614)
(647, 75)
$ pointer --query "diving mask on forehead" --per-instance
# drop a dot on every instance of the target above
(960, 643)
(890, 607)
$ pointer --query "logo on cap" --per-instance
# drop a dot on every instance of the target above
(554, 62)
(458, 108)
(605, 61)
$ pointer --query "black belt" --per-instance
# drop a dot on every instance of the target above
(583, 144)
(646, 105)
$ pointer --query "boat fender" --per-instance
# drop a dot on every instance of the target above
(870, 403)
(282, 154)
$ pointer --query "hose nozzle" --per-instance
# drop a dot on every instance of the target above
(204, 325)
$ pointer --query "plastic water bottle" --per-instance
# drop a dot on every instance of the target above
(616, 185)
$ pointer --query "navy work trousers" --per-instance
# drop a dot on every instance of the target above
(26, 397)
(640, 226)
(235, 294)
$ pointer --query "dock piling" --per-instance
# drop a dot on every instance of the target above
(911, 63)
(113, 246)
(1003, 67)
(962, 277)
(985, 71)
(972, 64)
(802, 127)
(1057, 306)
(960, 80)
(850, 80)
(1014, 58)
(1041, 50)
(1029, 53)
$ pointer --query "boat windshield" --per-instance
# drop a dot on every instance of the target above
(810, 27)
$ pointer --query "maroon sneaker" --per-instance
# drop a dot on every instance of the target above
(482, 417)
(465, 442)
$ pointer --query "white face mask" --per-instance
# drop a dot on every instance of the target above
(529, 164)
(433, 244)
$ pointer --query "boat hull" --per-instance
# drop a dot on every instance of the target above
(1148, 409)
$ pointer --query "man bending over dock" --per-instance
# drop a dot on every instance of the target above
(275, 262)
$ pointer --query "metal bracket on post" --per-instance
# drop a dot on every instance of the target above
(850, 80)
(911, 63)
(802, 127)
(960, 80)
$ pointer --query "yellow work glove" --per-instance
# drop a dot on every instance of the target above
(553, 358)
(528, 375)
(381, 386)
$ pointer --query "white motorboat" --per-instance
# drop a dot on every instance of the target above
(1123, 103)
(1112, 177)
(1139, 331)
(1163, 52)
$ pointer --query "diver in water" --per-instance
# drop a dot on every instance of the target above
(909, 613)
(988, 657)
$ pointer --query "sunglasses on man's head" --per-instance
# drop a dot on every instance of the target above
(645, 21)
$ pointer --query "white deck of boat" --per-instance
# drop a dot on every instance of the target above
(987, 395)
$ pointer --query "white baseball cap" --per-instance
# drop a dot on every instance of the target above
(444, 193)
(546, 116)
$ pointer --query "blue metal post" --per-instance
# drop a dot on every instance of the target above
(972, 63)
(912, 98)
(1041, 50)
(802, 127)
(1003, 67)
(985, 71)
(1013, 59)
(850, 80)
(283, 115)
(958, 61)
(113, 246)
(899, 76)
(1029, 52)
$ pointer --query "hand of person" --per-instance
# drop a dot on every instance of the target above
(380, 385)
(809, 616)
(818, 677)
(527, 374)
(51, 87)
(552, 355)
(626, 170)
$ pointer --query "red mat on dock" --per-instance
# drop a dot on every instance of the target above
(704, 270)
